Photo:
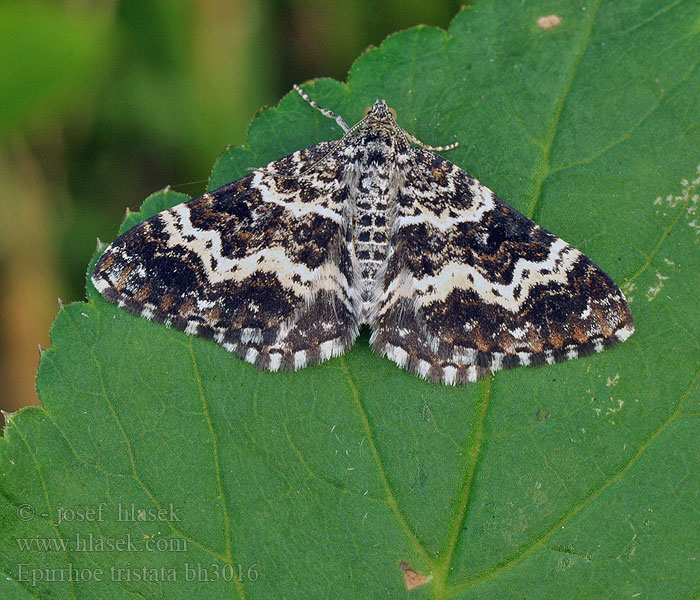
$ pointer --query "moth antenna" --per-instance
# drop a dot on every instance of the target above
(324, 111)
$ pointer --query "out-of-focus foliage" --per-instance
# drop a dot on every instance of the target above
(104, 102)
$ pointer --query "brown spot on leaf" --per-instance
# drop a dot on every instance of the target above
(549, 22)
(413, 579)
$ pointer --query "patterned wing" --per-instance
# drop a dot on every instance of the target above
(262, 265)
(471, 286)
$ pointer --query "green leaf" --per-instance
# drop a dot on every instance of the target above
(573, 480)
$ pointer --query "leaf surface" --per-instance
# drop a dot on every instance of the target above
(573, 480)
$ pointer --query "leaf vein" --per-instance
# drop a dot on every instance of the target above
(391, 500)
(217, 463)
(632, 129)
(538, 543)
(544, 170)
(467, 487)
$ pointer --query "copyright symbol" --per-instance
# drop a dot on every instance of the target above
(25, 512)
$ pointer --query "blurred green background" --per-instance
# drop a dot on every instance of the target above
(103, 102)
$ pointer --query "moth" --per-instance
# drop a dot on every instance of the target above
(284, 265)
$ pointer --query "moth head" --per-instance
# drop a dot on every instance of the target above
(379, 111)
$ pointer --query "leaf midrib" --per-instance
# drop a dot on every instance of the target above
(391, 499)
(441, 567)
(217, 465)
